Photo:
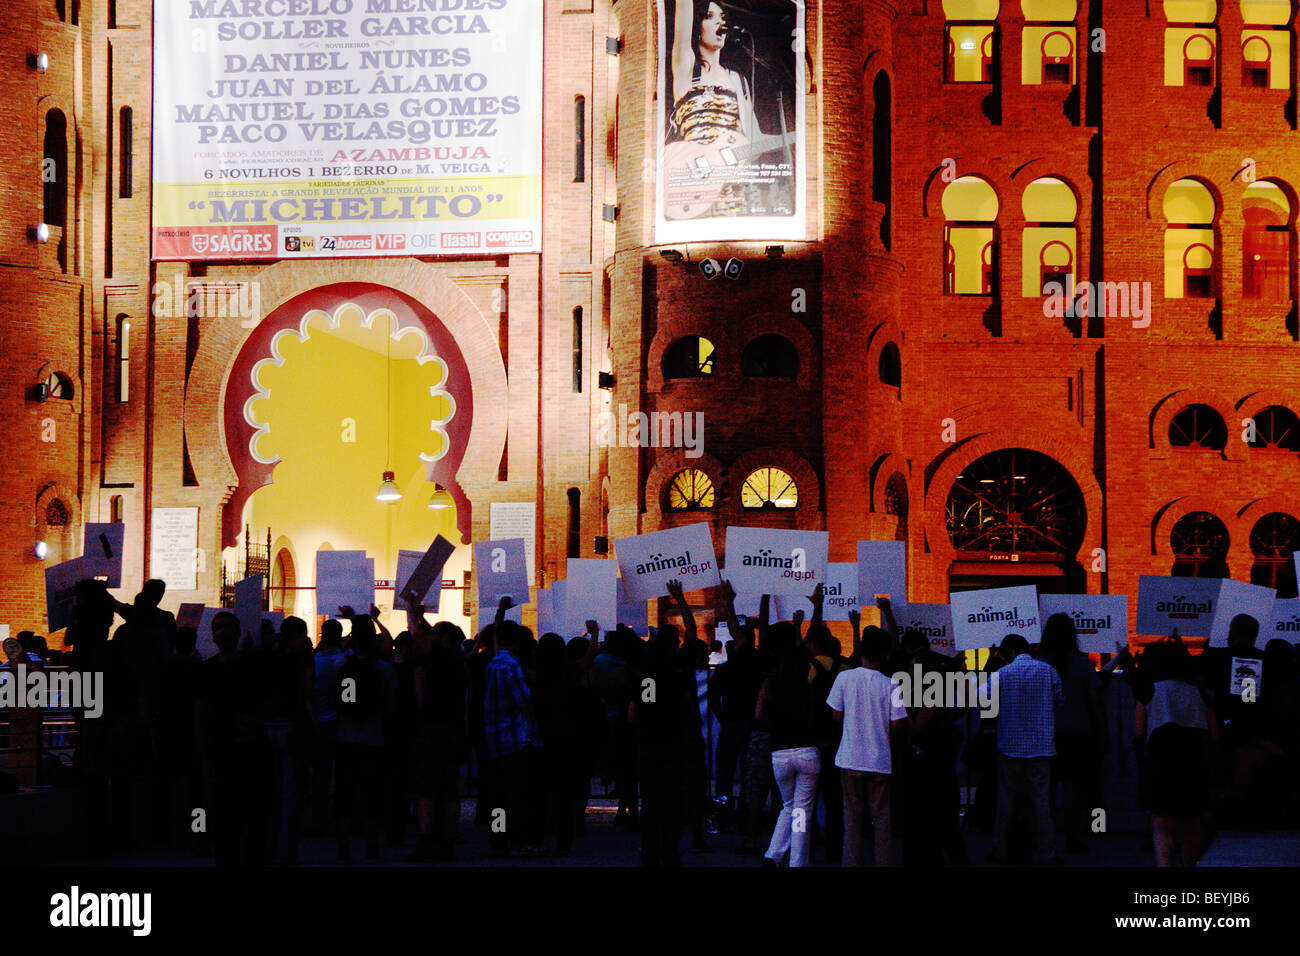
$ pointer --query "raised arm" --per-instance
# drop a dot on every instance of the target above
(683, 56)
(729, 610)
(689, 631)
(887, 621)
(818, 598)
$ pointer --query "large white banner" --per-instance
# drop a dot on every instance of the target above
(730, 121)
(932, 620)
(882, 569)
(590, 594)
(326, 128)
(839, 597)
(649, 561)
(1237, 597)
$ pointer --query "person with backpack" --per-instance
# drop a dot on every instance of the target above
(365, 693)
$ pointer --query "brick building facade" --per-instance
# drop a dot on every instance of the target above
(889, 376)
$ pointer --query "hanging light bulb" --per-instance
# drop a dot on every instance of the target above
(441, 499)
(388, 490)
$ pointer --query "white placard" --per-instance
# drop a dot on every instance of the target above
(776, 560)
(631, 612)
(1246, 671)
(375, 133)
(344, 578)
(1165, 603)
(932, 620)
(649, 561)
(516, 519)
(60, 591)
(1285, 623)
(174, 548)
(204, 645)
(748, 605)
(248, 608)
(548, 621)
(501, 570)
(840, 597)
(983, 618)
(1236, 597)
(591, 594)
(1101, 620)
(487, 615)
(407, 562)
(275, 617)
(102, 549)
(882, 569)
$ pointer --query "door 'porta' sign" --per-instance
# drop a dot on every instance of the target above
(649, 561)
(1165, 603)
(776, 561)
(1100, 620)
(983, 618)
(882, 569)
(932, 620)
(501, 570)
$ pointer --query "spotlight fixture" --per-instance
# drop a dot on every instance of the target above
(40, 550)
(733, 268)
(601, 545)
(774, 252)
(441, 499)
(605, 379)
(710, 268)
(672, 255)
(388, 490)
(39, 233)
(40, 62)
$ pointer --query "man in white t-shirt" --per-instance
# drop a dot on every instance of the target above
(864, 701)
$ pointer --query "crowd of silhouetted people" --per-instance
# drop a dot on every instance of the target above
(812, 753)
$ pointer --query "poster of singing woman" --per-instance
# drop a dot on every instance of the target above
(731, 120)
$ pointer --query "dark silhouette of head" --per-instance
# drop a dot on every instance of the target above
(1242, 633)
(1013, 645)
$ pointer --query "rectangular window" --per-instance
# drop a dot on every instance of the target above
(123, 358)
(577, 349)
(126, 168)
(579, 139)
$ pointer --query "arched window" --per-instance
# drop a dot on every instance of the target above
(1016, 501)
(1190, 42)
(283, 580)
(56, 514)
(1266, 243)
(1266, 44)
(896, 503)
(1051, 237)
(123, 358)
(1190, 261)
(688, 357)
(1198, 426)
(770, 356)
(690, 490)
(59, 385)
(54, 173)
(891, 366)
(970, 210)
(1048, 43)
(1275, 427)
(1272, 540)
(769, 488)
(882, 149)
(1199, 541)
(116, 512)
(970, 42)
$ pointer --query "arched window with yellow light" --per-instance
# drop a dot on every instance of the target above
(690, 490)
(769, 488)
(1266, 44)
(970, 210)
(1266, 242)
(970, 41)
(1190, 42)
(1049, 43)
(1051, 236)
(689, 357)
(1190, 260)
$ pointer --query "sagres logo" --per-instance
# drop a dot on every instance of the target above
(958, 689)
(1181, 607)
(653, 430)
(95, 910)
(1130, 300)
(667, 561)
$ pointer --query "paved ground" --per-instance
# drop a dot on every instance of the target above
(606, 845)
